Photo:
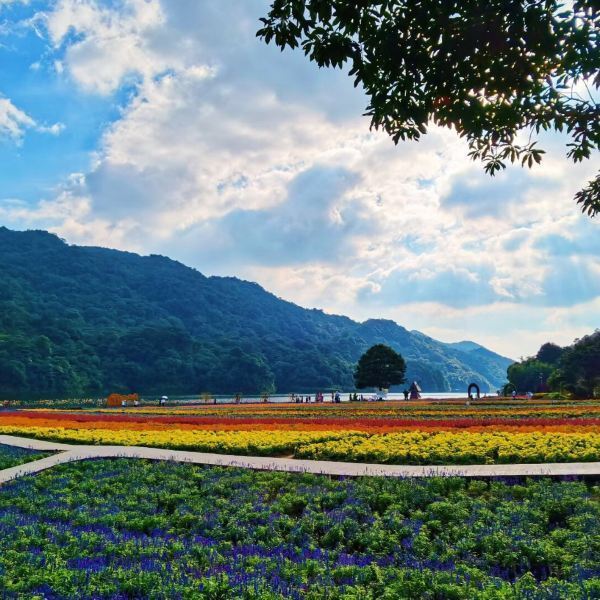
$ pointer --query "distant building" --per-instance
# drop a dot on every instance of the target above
(115, 400)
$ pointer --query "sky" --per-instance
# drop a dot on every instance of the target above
(167, 127)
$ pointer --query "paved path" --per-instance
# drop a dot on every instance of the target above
(31, 444)
(69, 453)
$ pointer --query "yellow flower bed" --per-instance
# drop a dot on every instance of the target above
(410, 447)
(262, 443)
(458, 448)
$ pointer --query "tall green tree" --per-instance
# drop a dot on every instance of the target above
(579, 367)
(531, 375)
(381, 367)
(549, 353)
(489, 70)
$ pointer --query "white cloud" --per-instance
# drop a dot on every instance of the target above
(13, 121)
(55, 129)
(105, 45)
(237, 159)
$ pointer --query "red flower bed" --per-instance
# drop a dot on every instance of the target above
(359, 424)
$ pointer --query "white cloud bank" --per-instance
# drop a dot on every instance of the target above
(237, 159)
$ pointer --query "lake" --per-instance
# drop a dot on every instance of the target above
(281, 398)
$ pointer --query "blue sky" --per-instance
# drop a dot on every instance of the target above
(166, 127)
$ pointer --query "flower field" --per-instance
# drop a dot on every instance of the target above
(459, 448)
(11, 456)
(133, 529)
(424, 432)
(123, 529)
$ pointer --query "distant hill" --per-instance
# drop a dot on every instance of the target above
(464, 346)
(83, 320)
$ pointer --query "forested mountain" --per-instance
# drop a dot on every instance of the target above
(83, 320)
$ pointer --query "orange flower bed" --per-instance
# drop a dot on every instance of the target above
(417, 433)
(117, 422)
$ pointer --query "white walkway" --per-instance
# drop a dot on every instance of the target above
(69, 453)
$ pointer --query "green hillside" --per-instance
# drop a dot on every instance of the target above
(83, 320)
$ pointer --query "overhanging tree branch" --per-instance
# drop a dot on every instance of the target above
(487, 69)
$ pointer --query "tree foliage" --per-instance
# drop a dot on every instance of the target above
(574, 369)
(529, 376)
(490, 70)
(381, 367)
(549, 353)
(579, 367)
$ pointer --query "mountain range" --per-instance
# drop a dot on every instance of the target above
(78, 320)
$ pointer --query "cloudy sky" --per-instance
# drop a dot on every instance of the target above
(165, 126)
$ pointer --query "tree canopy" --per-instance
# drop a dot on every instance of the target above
(530, 375)
(549, 353)
(381, 367)
(579, 367)
(574, 369)
(490, 70)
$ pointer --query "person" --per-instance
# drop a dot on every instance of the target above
(136, 402)
(514, 394)
(405, 392)
(338, 399)
(237, 398)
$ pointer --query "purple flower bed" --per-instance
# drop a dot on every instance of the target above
(134, 529)
(11, 456)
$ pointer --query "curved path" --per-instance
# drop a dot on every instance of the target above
(69, 453)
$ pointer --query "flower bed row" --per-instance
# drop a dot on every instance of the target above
(369, 425)
(369, 410)
(412, 447)
(122, 529)
(459, 448)
(383, 411)
(259, 443)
